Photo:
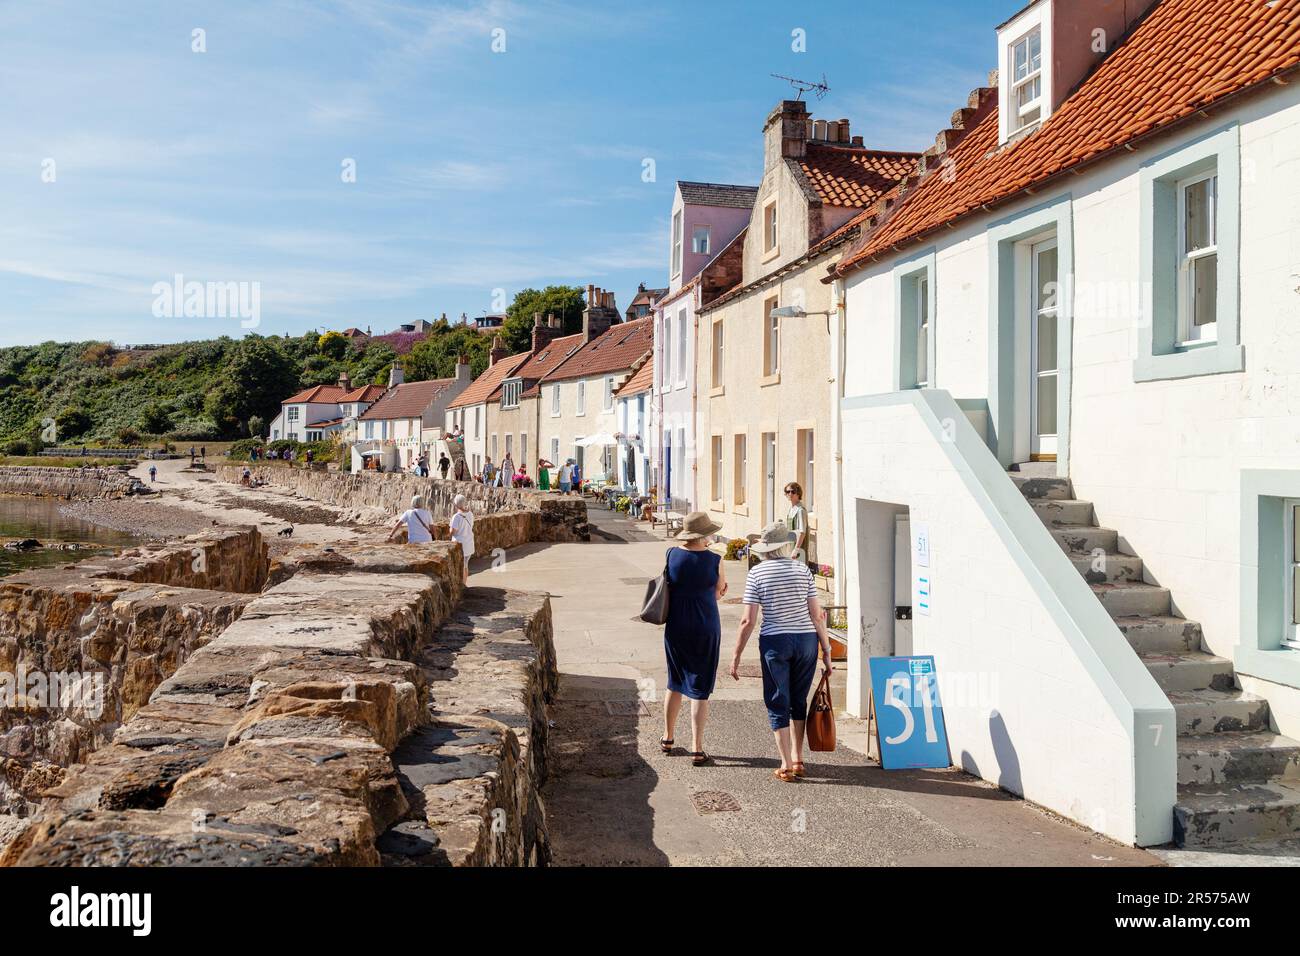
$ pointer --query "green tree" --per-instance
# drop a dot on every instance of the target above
(566, 302)
(155, 419)
(435, 355)
(71, 423)
(257, 425)
(334, 344)
(256, 378)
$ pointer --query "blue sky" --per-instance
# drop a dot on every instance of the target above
(476, 170)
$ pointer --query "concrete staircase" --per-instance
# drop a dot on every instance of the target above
(456, 452)
(1238, 781)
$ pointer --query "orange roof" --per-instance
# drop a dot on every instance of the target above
(407, 400)
(853, 176)
(546, 359)
(1183, 57)
(615, 349)
(367, 393)
(320, 394)
(484, 387)
(642, 380)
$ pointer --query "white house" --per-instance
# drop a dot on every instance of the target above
(1067, 353)
(635, 416)
(407, 422)
(468, 411)
(314, 413)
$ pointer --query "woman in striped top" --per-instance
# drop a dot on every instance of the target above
(793, 627)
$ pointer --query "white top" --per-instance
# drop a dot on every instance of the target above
(782, 587)
(566, 472)
(462, 530)
(417, 533)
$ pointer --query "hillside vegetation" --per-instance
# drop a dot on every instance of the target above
(220, 389)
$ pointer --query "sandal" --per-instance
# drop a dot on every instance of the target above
(699, 758)
(797, 768)
(666, 744)
(784, 775)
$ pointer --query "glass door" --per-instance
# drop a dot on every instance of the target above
(1043, 351)
(769, 477)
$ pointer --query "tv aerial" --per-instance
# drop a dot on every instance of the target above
(805, 86)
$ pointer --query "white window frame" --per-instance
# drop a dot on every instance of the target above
(665, 371)
(718, 475)
(555, 400)
(681, 347)
(510, 393)
(771, 228)
(555, 451)
(806, 441)
(1033, 75)
(1188, 334)
(719, 347)
(695, 236)
(739, 467)
(476, 420)
(677, 243)
(608, 403)
(921, 323)
(292, 415)
(582, 397)
(771, 337)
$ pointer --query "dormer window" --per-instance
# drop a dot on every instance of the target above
(1025, 70)
(1027, 79)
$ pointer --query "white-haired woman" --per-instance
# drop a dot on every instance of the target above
(462, 529)
(418, 520)
(794, 626)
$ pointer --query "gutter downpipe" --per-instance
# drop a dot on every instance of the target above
(838, 340)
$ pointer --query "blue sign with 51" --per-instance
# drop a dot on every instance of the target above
(909, 718)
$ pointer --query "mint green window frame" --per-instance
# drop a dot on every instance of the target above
(908, 276)
(1266, 562)
(1160, 355)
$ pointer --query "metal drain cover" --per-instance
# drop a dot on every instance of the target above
(627, 708)
(714, 801)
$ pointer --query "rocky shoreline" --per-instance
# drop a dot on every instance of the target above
(148, 519)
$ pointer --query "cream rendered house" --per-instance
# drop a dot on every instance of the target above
(765, 395)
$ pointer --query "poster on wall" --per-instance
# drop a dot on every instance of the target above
(907, 714)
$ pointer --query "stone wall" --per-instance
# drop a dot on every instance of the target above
(364, 709)
(370, 497)
(64, 482)
(111, 630)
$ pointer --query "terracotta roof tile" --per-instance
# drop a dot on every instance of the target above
(320, 394)
(613, 350)
(851, 175)
(408, 400)
(642, 380)
(367, 393)
(1185, 55)
(546, 360)
(485, 387)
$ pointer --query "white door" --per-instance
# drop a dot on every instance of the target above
(769, 477)
(1043, 313)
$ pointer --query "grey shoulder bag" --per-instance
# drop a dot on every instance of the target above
(654, 610)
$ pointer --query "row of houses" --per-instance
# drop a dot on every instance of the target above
(1039, 383)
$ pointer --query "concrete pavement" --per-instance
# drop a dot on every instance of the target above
(615, 799)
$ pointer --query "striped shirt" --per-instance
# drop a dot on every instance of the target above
(782, 587)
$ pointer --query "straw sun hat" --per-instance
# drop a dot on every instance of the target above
(697, 525)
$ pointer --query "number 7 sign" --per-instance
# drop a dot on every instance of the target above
(909, 718)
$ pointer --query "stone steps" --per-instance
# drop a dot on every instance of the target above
(1190, 670)
(1238, 781)
(1133, 599)
(1229, 759)
(1234, 814)
(1103, 567)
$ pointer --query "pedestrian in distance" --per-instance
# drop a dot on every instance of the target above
(489, 470)
(462, 530)
(444, 463)
(693, 633)
(793, 628)
(153, 473)
(796, 520)
(566, 476)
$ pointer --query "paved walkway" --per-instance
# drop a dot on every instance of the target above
(615, 799)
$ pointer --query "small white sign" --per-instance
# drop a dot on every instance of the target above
(921, 545)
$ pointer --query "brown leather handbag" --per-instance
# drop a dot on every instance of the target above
(820, 731)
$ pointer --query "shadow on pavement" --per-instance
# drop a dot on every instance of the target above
(597, 799)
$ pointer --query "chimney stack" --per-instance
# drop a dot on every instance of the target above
(345, 381)
(462, 369)
(498, 351)
(785, 134)
(543, 332)
(552, 321)
(599, 314)
(395, 376)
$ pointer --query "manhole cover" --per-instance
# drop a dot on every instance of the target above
(627, 708)
(714, 801)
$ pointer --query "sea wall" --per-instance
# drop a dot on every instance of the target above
(366, 496)
(84, 646)
(65, 482)
(365, 709)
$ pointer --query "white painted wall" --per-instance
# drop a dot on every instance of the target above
(1160, 460)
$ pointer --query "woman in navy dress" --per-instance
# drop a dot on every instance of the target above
(693, 634)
